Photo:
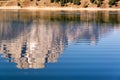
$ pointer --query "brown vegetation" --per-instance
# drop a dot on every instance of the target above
(48, 3)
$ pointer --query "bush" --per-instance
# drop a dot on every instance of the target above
(77, 2)
(92, 1)
(113, 2)
(63, 2)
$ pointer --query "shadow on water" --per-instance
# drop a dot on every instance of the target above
(33, 38)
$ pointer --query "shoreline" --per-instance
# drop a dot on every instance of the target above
(59, 8)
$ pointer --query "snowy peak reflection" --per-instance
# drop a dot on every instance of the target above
(33, 39)
(35, 47)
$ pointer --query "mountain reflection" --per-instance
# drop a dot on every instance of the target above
(32, 39)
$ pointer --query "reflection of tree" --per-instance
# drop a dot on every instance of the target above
(35, 39)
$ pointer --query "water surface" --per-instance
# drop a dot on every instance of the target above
(48, 45)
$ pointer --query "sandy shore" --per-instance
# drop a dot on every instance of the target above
(61, 8)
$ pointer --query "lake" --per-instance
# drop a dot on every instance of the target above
(59, 45)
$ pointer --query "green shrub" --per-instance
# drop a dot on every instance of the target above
(92, 1)
(113, 2)
(63, 2)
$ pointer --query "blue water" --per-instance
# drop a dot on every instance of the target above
(48, 45)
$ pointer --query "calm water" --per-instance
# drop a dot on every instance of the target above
(48, 45)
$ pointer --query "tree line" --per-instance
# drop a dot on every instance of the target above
(77, 2)
(63, 2)
(99, 2)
